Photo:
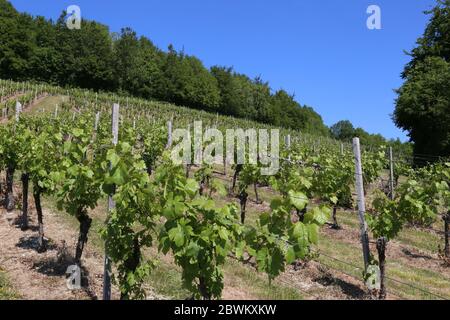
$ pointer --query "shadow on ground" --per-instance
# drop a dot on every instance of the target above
(350, 290)
(416, 255)
(18, 223)
(32, 243)
(58, 267)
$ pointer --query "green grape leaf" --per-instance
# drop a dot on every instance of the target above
(298, 200)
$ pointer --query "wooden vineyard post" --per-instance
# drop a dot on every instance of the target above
(342, 149)
(361, 202)
(391, 175)
(224, 158)
(288, 145)
(188, 165)
(225, 165)
(97, 119)
(18, 110)
(56, 111)
(288, 141)
(111, 206)
(169, 134)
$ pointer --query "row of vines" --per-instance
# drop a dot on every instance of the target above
(69, 153)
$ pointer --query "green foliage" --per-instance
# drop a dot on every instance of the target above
(199, 234)
(437, 179)
(423, 106)
(343, 130)
(373, 163)
(296, 172)
(78, 174)
(42, 154)
(249, 175)
(423, 102)
(388, 221)
(414, 203)
(131, 223)
(167, 210)
(279, 238)
(154, 141)
(33, 48)
(334, 179)
(204, 177)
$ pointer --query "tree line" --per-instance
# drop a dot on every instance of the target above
(344, 130)
(39, 49)
(423, 101)
(34, 48)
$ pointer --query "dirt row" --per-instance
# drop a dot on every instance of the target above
(28, 108)
(42, 276)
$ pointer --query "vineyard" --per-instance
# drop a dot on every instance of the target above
(87, 179)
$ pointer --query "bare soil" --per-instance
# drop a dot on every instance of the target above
(27, 108)
(395, 251)
(42, 276)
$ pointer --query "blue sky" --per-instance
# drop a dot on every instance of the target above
(320, 50)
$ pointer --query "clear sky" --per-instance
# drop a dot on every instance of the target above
(320, 50)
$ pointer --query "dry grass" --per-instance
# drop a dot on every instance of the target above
(7, 291)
